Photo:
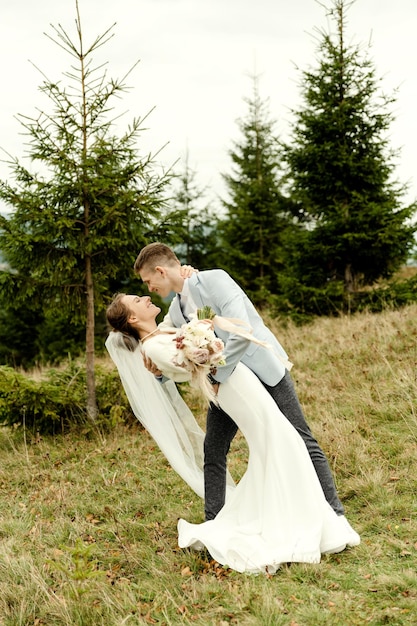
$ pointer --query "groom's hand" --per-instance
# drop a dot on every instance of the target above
(187, 270)
(214, 384)
(150, 365)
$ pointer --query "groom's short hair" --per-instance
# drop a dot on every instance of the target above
(155, 254)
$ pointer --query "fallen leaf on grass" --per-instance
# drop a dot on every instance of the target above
(406, 593)
(57, 552)
(297, 600)
(215, 568)
(149, 619)
(123, 581)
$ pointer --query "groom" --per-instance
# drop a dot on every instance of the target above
(160, 269)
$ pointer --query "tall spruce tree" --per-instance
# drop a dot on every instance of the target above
(257, 218)
(188, 222)
(341, 168)
(78, 224)
(196, 241)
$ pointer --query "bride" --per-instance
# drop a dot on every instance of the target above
(272, 516)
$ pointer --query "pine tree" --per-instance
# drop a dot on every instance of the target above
(195, 234)
(78, 224)
(257, 214)
(341, 167)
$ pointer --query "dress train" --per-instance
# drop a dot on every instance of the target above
(278, 512)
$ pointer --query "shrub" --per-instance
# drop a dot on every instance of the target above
(301, 302)
(56, 401)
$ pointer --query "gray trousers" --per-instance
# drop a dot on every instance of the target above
(221, 429)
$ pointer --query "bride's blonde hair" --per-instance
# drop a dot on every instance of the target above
(117, 314)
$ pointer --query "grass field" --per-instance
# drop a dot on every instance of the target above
(88, 524)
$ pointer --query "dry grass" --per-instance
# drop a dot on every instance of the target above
(88, 527)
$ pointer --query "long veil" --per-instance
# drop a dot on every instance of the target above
(161, 410)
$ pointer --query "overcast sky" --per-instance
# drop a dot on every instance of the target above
(196, 57)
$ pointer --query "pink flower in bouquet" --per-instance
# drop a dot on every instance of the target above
(199, 356)
(217, 347)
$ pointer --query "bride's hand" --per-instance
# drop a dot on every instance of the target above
(150, 365)
(187, 270)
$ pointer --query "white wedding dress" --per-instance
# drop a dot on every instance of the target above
(277, 513)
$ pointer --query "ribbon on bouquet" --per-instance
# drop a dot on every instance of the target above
(241, 328)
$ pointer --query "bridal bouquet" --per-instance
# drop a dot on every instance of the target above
(199, 350)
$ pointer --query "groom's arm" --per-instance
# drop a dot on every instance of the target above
(228, 300)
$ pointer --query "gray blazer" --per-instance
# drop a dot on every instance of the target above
(217, 289)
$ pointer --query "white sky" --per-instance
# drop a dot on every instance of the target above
(195, 60)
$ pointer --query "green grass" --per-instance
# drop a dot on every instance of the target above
(88, 525)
